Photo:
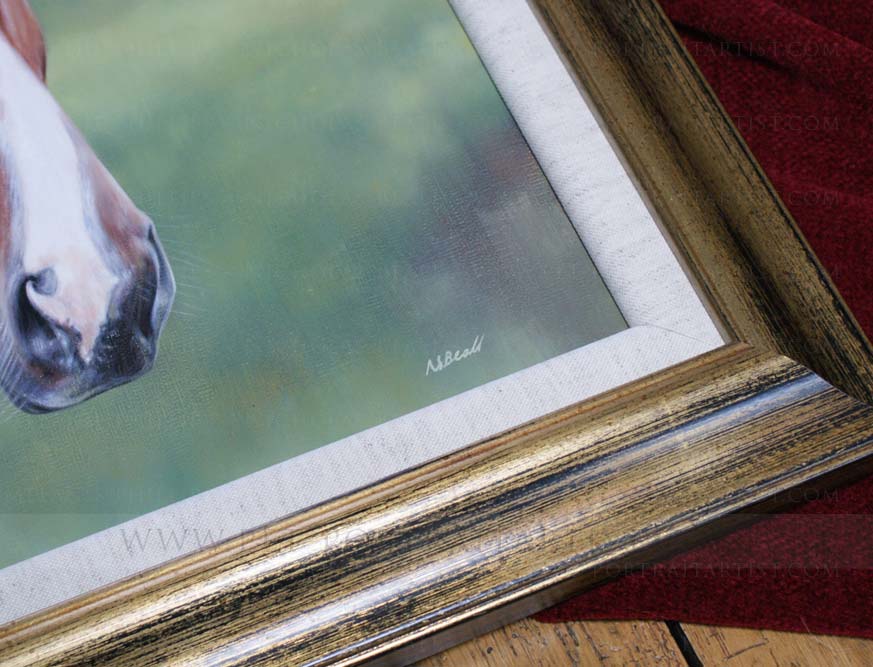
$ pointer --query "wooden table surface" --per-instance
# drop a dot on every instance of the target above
(645, 644)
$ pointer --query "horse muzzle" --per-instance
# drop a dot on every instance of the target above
(53, 373)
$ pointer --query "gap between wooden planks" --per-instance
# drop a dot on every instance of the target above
(643, 644)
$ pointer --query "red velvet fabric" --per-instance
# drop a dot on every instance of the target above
(797, 78)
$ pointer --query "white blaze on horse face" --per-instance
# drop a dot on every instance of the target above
(51, 205)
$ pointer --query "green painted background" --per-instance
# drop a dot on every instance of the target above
(342, 195)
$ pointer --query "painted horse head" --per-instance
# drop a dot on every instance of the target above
(85, 287)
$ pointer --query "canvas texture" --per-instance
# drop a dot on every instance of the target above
(286, 297)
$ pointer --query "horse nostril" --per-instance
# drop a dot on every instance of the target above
(142, 303)
(30, 318)
(46, 342)
(45, 282)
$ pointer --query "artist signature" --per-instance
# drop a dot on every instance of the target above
(443, 361)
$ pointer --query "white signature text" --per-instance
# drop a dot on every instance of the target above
(443, 361)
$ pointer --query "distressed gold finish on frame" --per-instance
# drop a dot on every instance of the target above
(502, 529)
(710, 194)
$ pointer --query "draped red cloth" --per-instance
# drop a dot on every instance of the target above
(797, 78)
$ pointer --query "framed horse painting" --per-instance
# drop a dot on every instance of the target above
(336, 332)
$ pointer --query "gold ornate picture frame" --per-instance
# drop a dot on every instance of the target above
(497, 531)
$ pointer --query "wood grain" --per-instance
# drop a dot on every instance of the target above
(503, 528)
(649, 644)
(737, 239)
(531, 644)
(739, 647)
